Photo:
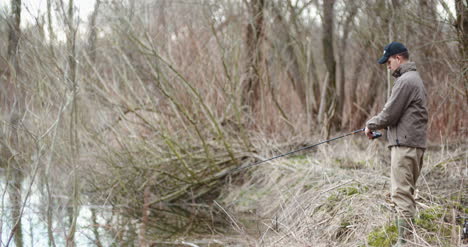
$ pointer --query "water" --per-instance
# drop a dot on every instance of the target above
(102, 225)
(34, 220)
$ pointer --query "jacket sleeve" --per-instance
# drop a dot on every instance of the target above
(394, 108)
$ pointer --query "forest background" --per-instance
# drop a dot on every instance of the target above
(139, 112)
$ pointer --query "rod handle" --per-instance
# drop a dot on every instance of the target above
(376, 134)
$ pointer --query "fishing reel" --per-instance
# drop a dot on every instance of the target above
(376, 135)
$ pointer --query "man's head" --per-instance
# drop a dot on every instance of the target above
(394, 55)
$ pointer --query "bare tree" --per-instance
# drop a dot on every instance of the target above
(462, 25)
(370, 45)
(462, 28)
(15, 32)
(327, 115)
(11, 98)
(70, 76)
(295, 57)
(92, 39)
(15, 193)
(343, 47)
(49, 22)
(162, 99)
(162, 22)
(253, 41)
(13, 102)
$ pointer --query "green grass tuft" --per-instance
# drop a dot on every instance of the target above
(349, 191)
(429, 218)
(383, 237)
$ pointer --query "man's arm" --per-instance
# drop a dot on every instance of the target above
(393, 109)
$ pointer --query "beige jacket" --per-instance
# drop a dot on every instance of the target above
(405, 113)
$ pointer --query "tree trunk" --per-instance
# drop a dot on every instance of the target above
(9, 94)
(369, 100)
(253, 42)
(163, 25)
(49, 23)
(328, 118)
(13, 103)
(73, 209)
(14, 33)
(15, 193)
(352, 104)
(310, 76)
(462, 28)
(341, 58)
(93, 32)
(302, 73)
(289, 57)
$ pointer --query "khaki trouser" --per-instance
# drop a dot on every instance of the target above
(406, 165)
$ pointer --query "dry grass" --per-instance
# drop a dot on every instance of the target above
(336, 196)
(160, 118)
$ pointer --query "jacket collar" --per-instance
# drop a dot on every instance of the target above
(408, 66)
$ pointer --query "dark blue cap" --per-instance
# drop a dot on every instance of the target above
(392, 49)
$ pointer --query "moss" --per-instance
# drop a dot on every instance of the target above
(298, 158)
(349, 164)
(353, 190)
(333, 198)
(349, 191)
(338, 160)
(383, 237)
(307, 187)
(458, 202)
(301, 156)
(428, 218)
(360, 163)
(345, 224)
(341, 193)
(431, 214)
(343, 230)
(455, 197)
(432, 220)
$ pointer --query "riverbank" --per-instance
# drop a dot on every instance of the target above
(337, 195)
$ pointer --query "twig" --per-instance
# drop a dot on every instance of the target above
(239, 229)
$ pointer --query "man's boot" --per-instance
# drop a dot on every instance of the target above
(404, 227)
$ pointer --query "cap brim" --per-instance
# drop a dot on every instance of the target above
(383, 60)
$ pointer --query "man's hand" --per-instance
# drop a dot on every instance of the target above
(368, 133)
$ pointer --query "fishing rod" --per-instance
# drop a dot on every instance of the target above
(374, 136)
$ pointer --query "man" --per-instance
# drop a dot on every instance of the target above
(405, 117)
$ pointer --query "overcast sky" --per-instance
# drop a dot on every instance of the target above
(31, 8)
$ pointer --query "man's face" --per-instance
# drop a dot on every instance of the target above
(393, 63)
